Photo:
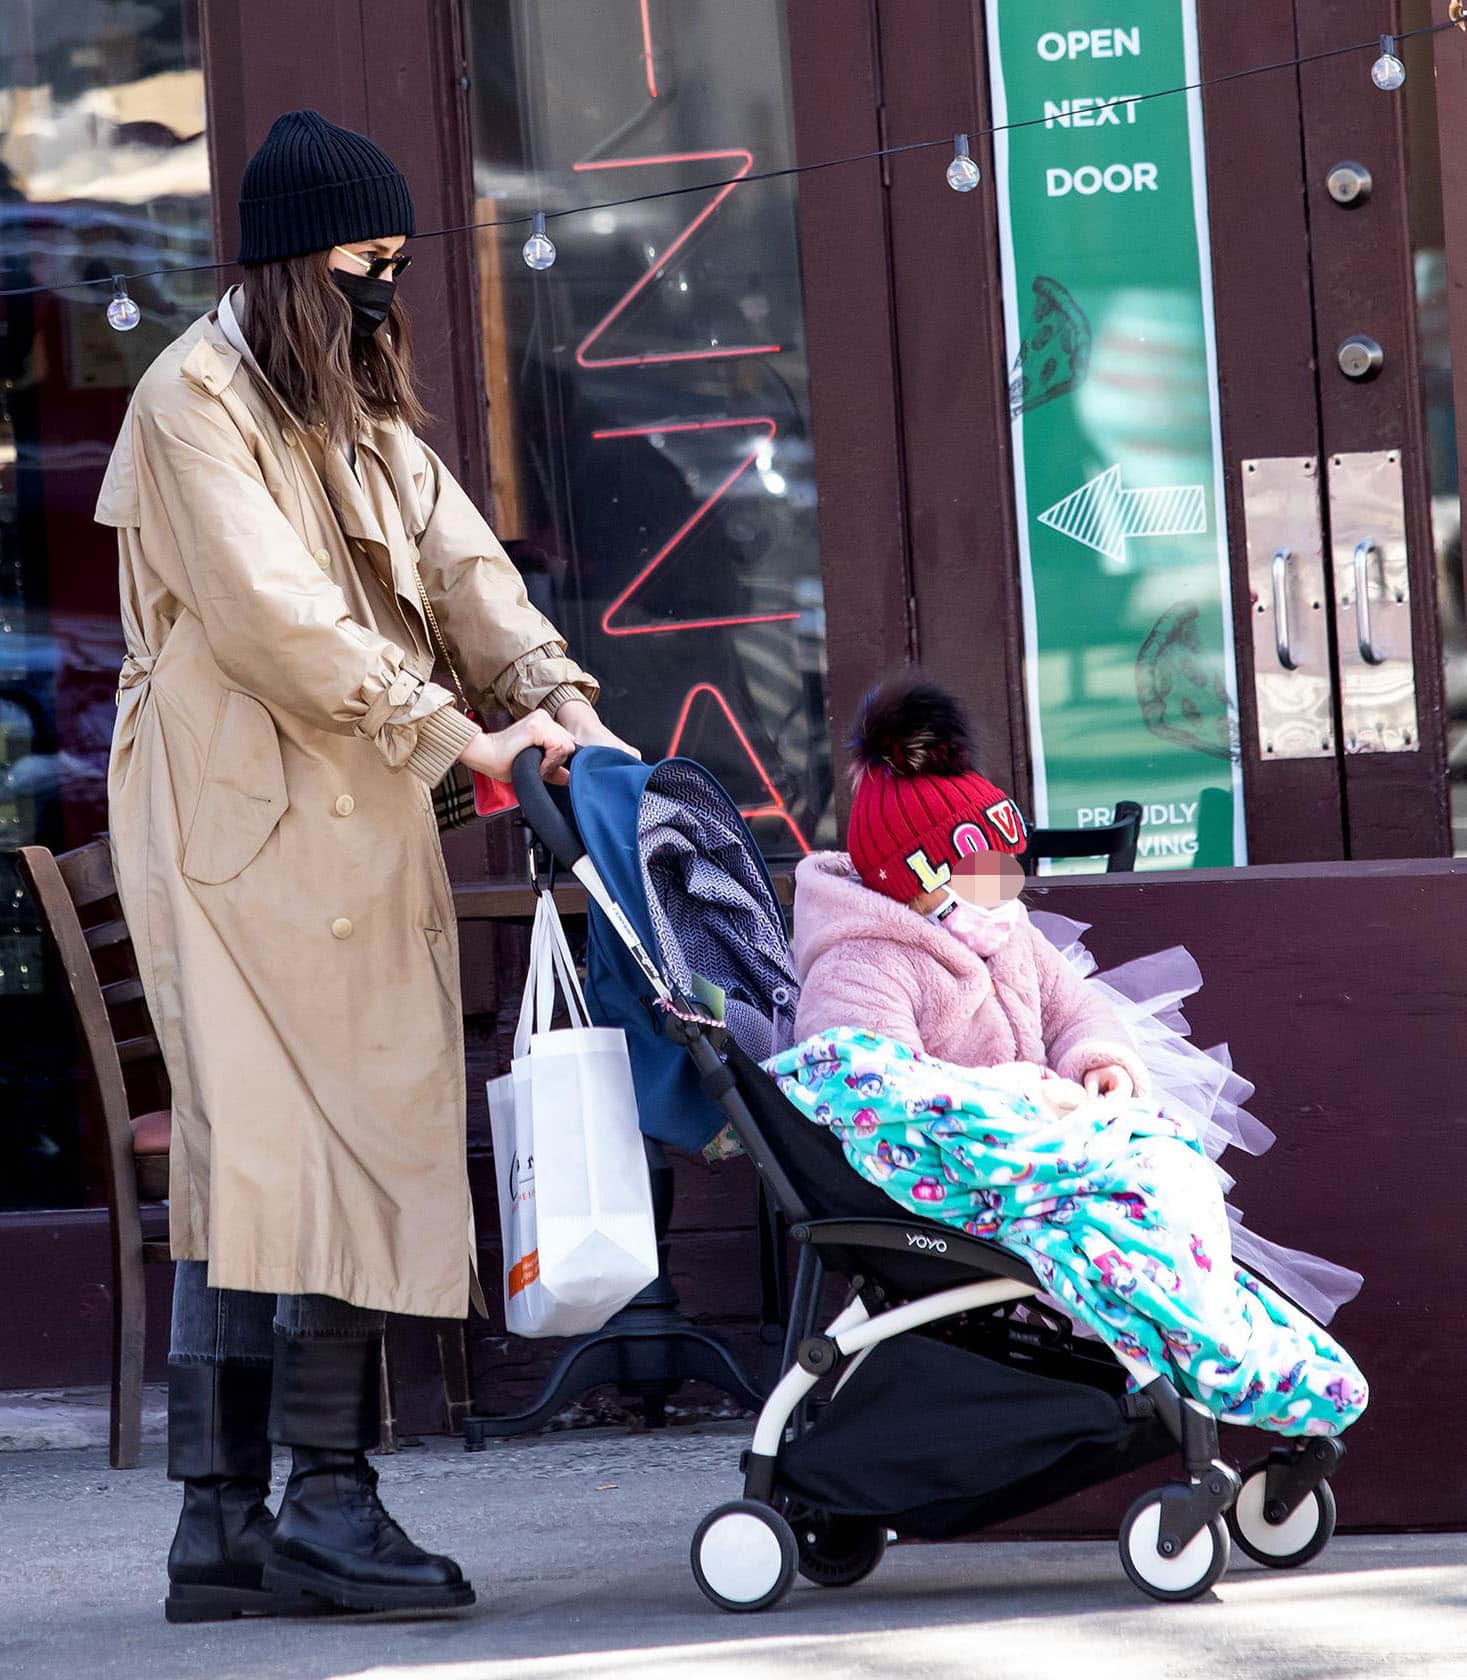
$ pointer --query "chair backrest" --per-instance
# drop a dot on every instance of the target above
(77, 897)
(1116, 842)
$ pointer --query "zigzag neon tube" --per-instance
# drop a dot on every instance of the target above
(713, 354)
(776, 807)
(769, 428)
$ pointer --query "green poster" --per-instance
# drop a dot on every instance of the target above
(1108, 300)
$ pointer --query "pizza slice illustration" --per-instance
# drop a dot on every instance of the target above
(1055, 354)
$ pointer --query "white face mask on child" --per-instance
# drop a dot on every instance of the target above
(983, 929)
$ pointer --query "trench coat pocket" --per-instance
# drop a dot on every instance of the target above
(243, 796)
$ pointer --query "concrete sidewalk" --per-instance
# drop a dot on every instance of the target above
(578, 1545)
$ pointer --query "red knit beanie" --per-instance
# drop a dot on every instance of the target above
(919, 805)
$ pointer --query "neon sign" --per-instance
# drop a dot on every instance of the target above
(765, 428)
(658, 266)
(768, 428)
(775, 806)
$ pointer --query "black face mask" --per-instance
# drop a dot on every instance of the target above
(370, 300)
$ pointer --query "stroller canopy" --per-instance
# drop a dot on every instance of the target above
(676, 856)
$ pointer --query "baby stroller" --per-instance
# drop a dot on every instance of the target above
(941, 1397)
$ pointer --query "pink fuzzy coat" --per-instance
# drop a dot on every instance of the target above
(865, 960)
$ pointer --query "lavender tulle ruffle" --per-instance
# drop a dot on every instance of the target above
(1202, 1087)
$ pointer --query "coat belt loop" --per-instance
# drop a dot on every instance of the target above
(136, 670)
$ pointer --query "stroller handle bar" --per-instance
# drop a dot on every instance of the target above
(549, 826)
(541, 812)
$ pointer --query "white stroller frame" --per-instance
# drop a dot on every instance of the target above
(1175, 1542)
(854, 1333)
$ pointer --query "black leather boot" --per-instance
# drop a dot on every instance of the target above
(219, 1449)
(333, 1537)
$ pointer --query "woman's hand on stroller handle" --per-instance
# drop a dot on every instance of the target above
(584, 722)
(495, 752)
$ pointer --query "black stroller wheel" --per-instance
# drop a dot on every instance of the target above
(838, 1551)
(1300, 1537)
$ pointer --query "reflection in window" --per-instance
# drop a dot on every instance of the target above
(103, 169)
(651, 456)
(1428, 238)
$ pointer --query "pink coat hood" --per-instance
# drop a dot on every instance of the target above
(867, 961)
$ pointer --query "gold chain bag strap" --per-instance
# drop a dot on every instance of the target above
(459, 797)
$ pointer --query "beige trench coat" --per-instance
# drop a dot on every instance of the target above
(276, 744)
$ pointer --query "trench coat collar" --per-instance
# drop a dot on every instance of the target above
(348, 496)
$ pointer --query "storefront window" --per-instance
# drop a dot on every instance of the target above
(103, 169)
(652, 463)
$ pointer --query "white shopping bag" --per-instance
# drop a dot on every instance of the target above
(575, 1202)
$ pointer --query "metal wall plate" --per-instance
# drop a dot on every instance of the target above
(1372, 586)
(1292, 679)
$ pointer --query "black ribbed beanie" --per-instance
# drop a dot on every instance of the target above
(313, 185)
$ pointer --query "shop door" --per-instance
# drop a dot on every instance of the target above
(1338, 447)
(1199, 337)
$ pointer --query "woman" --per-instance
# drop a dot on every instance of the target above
(277, 741)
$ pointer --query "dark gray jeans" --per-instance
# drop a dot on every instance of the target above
(211, 1325)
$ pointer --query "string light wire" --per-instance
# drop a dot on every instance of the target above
(945, 141)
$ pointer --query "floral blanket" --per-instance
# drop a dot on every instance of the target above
(1112, 1202)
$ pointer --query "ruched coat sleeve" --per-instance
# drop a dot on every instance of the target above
(507, 652)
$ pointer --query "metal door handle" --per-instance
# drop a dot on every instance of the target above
(1363, 552)
(1281, 637)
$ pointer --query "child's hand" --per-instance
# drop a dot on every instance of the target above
(1110, 1081)
(492, 753)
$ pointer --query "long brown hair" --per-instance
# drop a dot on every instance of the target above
(298, 323)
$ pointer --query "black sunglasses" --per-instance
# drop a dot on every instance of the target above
(375, 267)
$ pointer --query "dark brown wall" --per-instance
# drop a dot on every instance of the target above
(953, 374)
(1341, 990)
(844, 231)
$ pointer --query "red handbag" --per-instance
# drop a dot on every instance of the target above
(463, 794)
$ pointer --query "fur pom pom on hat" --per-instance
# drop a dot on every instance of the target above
(919, 805)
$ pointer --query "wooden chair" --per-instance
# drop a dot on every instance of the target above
(1116, 842)
(77, 896)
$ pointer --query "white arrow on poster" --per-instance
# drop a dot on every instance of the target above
(1103, 516)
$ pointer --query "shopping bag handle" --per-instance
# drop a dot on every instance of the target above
(526, 1023)
(550, 961)
(564, 966)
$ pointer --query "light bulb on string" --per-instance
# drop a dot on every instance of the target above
(1388, 72)
(122, 313)
(539, 248)
(962, 173)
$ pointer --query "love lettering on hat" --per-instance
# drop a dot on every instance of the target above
(967, 839)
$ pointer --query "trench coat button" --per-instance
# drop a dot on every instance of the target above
(288, 439)
(341, 928)
(322, 557)
(345, 805)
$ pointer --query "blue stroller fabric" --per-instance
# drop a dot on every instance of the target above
(676, 856)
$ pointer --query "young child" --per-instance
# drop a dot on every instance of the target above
(971, 1072)
(918, 935)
